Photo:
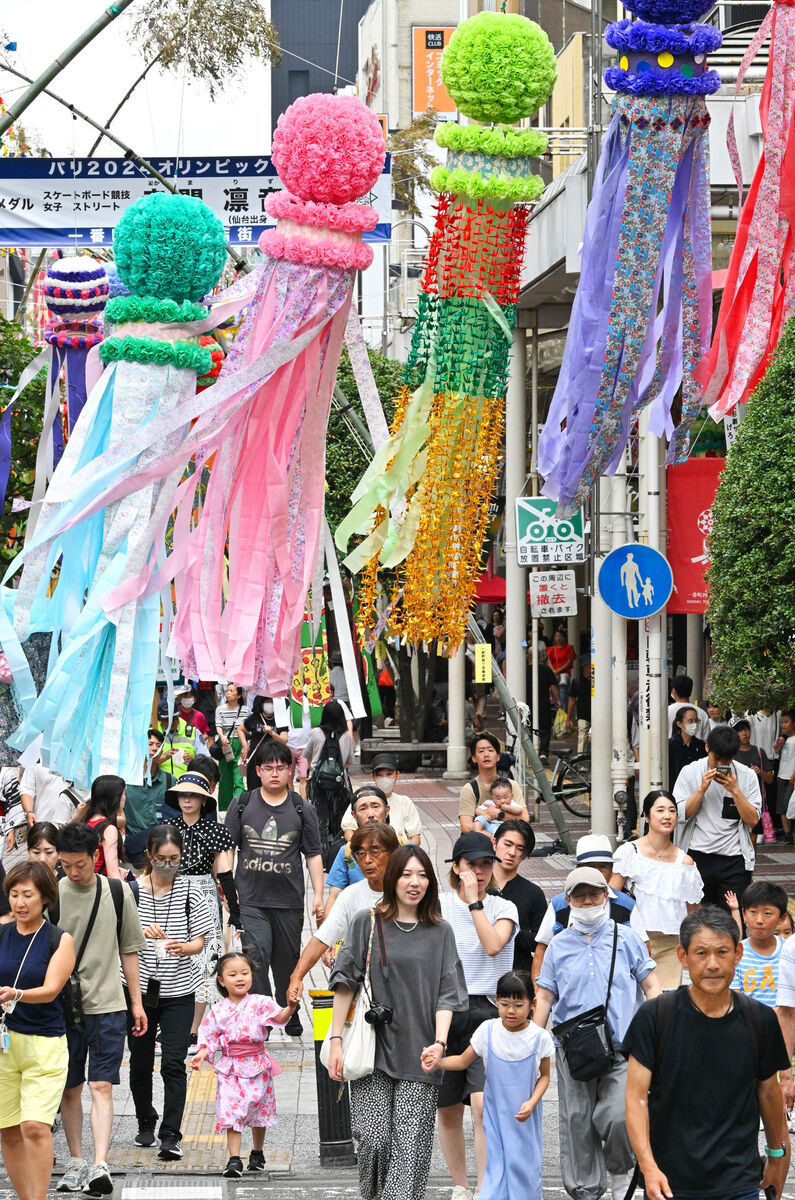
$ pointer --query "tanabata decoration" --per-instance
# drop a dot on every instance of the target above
(75, 291)
(424, 500)
(242, 566)
(93, 711)
(759, 293)
(642, 314)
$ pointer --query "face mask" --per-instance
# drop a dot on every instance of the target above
(386, 784)
(691, 730)
(268, 709)
(187, 702)
(165, 870)
(588, 919)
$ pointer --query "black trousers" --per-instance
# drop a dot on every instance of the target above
(173, 1017)
(721, 873)
(275, 938)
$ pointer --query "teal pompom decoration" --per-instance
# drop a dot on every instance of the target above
(499, 67)
(170, 247)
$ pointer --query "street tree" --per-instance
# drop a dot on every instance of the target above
(752, 574)
(16, 351)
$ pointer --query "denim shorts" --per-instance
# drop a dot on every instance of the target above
(100, 1039)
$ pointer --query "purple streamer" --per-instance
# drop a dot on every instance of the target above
(5, 454)
(58, 356)
(75, 383)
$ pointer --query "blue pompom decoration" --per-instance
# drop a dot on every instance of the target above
(661, 83)
(117, 288)
(669, 12)
(644, 36)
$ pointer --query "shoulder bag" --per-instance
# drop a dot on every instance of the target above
(72, 996)
(358, 1036)
(585, 1040)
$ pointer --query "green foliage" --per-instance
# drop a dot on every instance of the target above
(16, 351)
(499, 67)
(214, 39)
(412, 161)
(752, 576)
(346, 462)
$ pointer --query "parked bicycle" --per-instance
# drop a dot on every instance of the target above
(571, 783)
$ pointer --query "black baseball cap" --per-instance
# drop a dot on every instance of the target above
(473, 846)
(383, 762)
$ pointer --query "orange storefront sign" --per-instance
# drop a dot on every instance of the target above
(428, 91)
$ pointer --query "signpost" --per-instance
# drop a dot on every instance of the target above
(542, 539)
(553, 594)
(635, 581)
(427, 90)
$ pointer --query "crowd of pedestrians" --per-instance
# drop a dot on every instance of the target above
(165, 917)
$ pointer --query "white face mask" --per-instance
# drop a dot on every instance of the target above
(268, 709)
(588, 919)
(187, 702)
(691, 729)
(386, 783)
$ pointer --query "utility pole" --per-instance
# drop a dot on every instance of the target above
(602, 813)
(618, 624)
(16, 109)
(515, 477)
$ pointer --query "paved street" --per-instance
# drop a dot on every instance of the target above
(291, 1149)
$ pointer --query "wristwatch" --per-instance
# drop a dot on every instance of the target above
(779, 1153)
(476, 905)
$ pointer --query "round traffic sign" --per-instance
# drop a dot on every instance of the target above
(635, 581)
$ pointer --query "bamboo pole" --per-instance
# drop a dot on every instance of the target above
(37, 86)
(240, 263)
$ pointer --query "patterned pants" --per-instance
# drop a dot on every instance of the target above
(393, 1123)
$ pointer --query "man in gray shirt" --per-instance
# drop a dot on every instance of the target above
(719, 802)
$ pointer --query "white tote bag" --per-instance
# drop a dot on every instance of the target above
(358, 1036)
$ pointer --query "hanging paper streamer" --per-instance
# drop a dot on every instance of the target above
(311, 678)
(265, 419)
(424, 500)
(642, 314)
(94, 709)
(759, 293)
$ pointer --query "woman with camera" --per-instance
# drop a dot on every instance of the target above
(175, 922)
(36, 959)
(415, 984)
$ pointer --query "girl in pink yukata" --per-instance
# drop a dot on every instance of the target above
(234, 1031)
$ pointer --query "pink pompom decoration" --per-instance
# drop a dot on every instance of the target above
(348, 218)
(313, 252)
(5, 670)
(329, 149)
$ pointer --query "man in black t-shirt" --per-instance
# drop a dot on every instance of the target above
(272, 835)
(700, 1074)
(514, 842)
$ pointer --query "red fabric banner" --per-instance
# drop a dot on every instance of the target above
(691, 492)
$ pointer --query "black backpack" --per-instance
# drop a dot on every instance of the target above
(329, 774)
(243, 802)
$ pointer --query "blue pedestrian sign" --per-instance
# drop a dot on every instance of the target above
(635, 581)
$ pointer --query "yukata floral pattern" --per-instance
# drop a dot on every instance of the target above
(244, 1098)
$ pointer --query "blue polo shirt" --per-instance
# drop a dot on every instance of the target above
(576, 970)
(343, 873)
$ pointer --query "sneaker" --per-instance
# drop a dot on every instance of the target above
(170, 1148)
(99, 1182)
(256, 1161)
(461, 1193)
(788, 839)
(75, 1176)
(145, 1136)
(234, 1168)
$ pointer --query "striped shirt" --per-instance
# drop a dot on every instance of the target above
(481, 970)
(757, 974)
(182, 915)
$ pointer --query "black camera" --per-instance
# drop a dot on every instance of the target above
(379, 1014)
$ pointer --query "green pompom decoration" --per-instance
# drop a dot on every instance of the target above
(170, 247)
(522, 190)
(505, 141)
(499, 67)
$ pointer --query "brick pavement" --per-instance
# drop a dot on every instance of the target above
(291, 1148)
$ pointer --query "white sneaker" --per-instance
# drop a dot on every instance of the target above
(461, 1193)
(74, 1177)
(99, 1182)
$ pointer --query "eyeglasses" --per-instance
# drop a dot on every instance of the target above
(273, 767)
(167, 862)
(370, 852)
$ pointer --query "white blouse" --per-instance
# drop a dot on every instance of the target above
(662, 890)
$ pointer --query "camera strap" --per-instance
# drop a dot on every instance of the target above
(382, 948)
(90, 925)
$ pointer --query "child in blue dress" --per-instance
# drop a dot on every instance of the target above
(516, 1054)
